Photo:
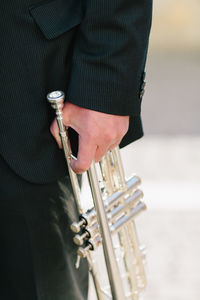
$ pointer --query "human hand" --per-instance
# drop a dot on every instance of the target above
(98, 132)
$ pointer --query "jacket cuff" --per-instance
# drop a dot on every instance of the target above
(91, 93)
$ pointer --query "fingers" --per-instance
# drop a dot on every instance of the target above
(115, 144)
(86, 153)
(98, 133)
(100, 152)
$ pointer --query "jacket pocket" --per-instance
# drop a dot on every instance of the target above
(54, 17)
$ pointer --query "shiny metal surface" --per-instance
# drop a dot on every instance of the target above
(110, 223)
(56, 100)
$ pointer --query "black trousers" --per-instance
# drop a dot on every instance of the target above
(37, 255)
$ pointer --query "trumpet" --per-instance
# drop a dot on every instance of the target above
(109, 223)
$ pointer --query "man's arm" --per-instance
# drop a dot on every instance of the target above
(108, 63)
(109, 56)
(98, 132)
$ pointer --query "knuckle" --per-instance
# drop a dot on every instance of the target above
(109, 136)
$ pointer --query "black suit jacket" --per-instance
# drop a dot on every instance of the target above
(94, 50)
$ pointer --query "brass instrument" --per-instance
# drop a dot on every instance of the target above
(110, 223)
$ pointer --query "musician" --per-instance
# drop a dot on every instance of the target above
(95, 51)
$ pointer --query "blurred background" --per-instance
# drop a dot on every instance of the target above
(168, 157)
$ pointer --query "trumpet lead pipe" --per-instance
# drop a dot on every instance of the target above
(111, 263)
(56, 99)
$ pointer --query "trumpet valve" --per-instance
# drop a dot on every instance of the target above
(92, 244)
(80, 239)
(88, 233)
(77, 226)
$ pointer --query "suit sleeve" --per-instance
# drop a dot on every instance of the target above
(109, 56)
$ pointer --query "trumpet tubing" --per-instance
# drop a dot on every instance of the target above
(109, 224)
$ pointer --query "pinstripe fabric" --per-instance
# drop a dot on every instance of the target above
(94, 50)
(109, 56)
(37, 255)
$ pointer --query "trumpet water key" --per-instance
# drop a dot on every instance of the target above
(109, 224)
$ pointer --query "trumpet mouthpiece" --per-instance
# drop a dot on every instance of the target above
(56, 97)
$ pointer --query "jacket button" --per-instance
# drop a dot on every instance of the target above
(143, 84)
(143, 76)
(142, 94)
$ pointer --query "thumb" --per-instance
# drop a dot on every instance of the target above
(55, 132)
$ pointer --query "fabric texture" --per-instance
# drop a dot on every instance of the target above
(37, 253)
(94, 51)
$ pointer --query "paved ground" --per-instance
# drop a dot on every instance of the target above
(170, 168)
(173, 264)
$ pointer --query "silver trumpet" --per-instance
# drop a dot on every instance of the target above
(109, 224)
